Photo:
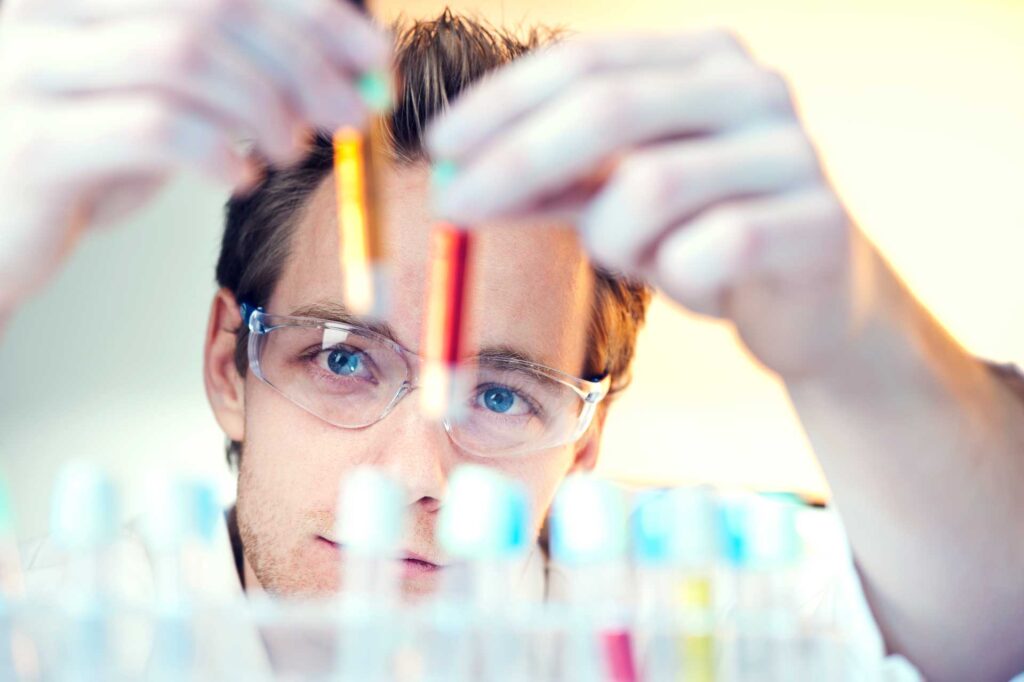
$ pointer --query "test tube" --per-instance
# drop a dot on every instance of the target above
(182, 513)
(675, 549)
(10, 587)
(589, 537)
(360, 237)
(369, 529)
(484, 526)
(18, 657)
(12, 580)
(446, 325)
(357, 159)
(360, 230)
(762, 549)
(84, 524)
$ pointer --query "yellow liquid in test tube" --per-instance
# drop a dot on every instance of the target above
(697, 644)
(360, 243)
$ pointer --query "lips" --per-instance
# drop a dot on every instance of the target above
(417, 565)
(413, 564)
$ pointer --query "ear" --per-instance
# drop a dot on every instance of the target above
(225, 387)
(589, 446)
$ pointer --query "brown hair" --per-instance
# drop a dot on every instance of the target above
(434, 61)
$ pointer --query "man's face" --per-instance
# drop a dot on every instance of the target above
(532, 293)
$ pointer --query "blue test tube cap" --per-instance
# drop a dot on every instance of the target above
(484, 516)
(179, 510)
(84, 511)
(206, 510)
(675, 527)
(760, 532)
(652, 528)
(588, 522)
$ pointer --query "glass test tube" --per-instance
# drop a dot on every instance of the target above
(360, 235)
(484, 527)
(370, 527)
(762, 549)
(447, 323)
(84, 523)
(180, 520)
(589, 537)
(18, 657)
(674, 547)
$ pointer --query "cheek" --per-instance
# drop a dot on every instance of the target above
(540, 474)
(295, 459)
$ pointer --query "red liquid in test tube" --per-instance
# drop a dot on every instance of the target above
(618, 656)
(446, 322)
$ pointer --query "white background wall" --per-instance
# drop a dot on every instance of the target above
(918, 109)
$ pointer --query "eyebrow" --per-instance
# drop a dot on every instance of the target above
(506, 356)
(502, 355)
(335, 312)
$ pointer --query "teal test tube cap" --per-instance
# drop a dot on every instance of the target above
(760, 532)
(675, 527)
(375, 90)
(485, 515)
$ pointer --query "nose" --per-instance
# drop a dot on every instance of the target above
(415, 451)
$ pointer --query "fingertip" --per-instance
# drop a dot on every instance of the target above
(440, 142)
(380, 49)
(371, 48)
(299, 142)
(455, 210)
(250, 176)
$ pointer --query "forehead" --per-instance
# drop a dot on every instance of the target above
(530, 283)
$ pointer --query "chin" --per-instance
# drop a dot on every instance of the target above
(418, 588)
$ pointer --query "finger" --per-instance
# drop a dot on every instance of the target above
(63, 12)
(323, 94)
(602, 116)
(81, 165)
(123, 197)
(130, 136)
(536, 79)
(334, 27)
(794, 240)
(346, 35)
(670, 183)
(171, 61)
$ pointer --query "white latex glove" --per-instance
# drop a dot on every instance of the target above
(682, 161)
(102, 101)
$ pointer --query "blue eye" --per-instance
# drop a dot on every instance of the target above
(498, 399)
(344, 362)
